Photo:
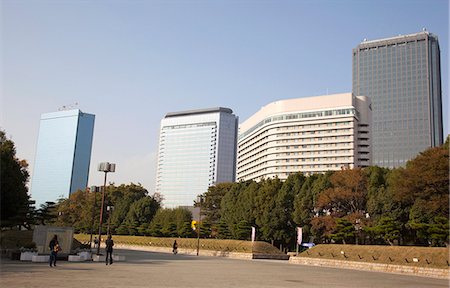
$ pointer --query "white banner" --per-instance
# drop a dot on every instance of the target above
(253, 233)
(299, 235)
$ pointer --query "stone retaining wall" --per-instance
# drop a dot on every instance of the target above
(202, 252)
(411, 270)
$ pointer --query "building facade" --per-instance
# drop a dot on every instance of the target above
(402, 77)
(308, 135)
(197, 149)
(63, 155)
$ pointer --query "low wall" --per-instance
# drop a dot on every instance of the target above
(411, 270)
(202, 252)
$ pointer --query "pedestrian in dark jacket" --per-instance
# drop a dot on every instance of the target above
(109, 249)
(175, 247)
(54, 249)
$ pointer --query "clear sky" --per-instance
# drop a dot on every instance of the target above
(131, 62)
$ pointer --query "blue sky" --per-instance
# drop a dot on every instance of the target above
(131, 62)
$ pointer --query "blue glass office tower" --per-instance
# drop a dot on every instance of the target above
(197, 149)
(63, 155)
(402, 76)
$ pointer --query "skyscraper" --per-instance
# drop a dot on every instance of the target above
(309, 135)
(63, 155)
(196, 150)
(402, 77)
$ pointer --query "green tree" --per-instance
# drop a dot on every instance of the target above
(141, 214)
(47, 213)
(304, 203)
(438, 231)
(223, 231)
(14, 193)
(270, 214)
(122, 197)
(170, 222)
(344, 231)
(377, 195)
(386, 228)
(212, 199)
(243, 230)
(237, 205)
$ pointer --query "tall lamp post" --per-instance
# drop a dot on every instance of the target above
(109, 208)
(94, 189)
(103, 167)
(199, 201)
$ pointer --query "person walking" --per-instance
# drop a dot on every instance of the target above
(175, 247)
(54, 249)
(109, 249)
(95, 242)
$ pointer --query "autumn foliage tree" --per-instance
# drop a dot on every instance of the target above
(422, 189)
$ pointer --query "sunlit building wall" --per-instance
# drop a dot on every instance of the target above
(197, 149)
(63, 155)
(308, 135)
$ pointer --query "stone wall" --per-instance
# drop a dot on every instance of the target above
(418, 271)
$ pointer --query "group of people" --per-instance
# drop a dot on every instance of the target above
(55, 248)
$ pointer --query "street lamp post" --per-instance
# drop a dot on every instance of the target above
(103, 167)
(94, 189)
(199, 201)
(109, 209)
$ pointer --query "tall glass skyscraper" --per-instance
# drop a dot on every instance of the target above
(63, 155)
(402, 76)
(197, 149)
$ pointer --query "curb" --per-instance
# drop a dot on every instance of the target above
(388, 268)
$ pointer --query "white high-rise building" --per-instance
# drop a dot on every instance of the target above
(197, 149)
(308, 135)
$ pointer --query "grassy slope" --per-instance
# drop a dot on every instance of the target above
(191, 243)
(432, 257)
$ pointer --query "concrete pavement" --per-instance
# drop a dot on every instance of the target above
(147, 269)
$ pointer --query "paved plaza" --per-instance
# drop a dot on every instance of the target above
(147, 269)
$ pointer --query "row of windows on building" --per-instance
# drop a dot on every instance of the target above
(308, 128)
(348, 154)
(293, 147)
(303, 115)
(252, 143)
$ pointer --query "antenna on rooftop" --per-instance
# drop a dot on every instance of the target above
(68, 107)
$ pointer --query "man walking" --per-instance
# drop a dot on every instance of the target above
(109, 249)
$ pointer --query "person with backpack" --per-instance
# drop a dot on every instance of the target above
(54, 249)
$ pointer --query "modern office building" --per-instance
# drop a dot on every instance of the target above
(402, 77)
(63, 155)
(197, 149)
(309, 135)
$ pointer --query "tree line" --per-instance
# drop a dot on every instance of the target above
(403, 206)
